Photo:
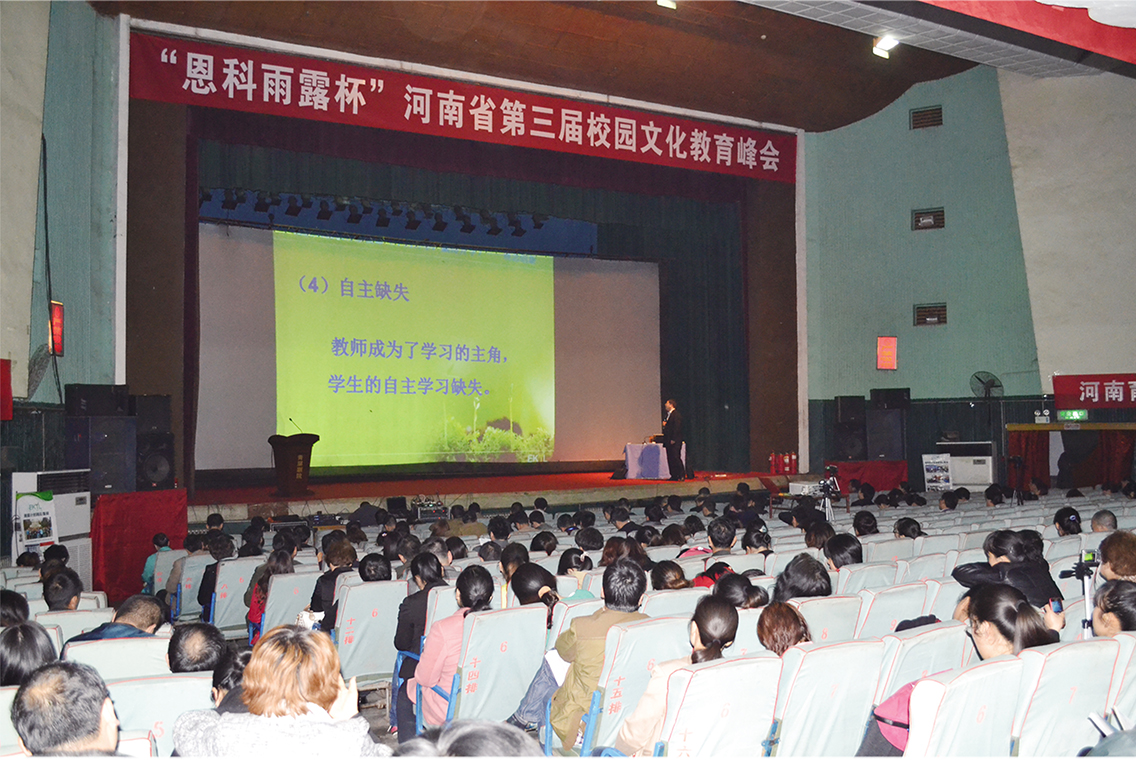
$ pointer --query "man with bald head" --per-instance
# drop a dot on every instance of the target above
(64, 709)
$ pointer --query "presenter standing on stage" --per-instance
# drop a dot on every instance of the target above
(672, 441)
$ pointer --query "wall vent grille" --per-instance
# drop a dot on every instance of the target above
(922, 118)
(930, 314)
(928, 219)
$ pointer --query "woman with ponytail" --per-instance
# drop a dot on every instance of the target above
(712, 629)
(531, 584)
(1000, 621)
(439, 661)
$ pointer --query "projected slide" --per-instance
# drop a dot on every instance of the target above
(396, 353)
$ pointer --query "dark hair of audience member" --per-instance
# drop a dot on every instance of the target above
(469, 739)
(714, 572)
(993, 494)
(341, 554)
(536, 517)
(489, 552)
(648, 536)
(284, 541)
(585, 519)
(427, 569)
(57, 552)
(818, 533)
(844, 549)
(24, 647)
(721, 533)
(545, 542)
(803, 577)
(355, 533)
(1068, 521)
(1030, 546)
(655, 513)
(513, 557)
(437, 547)
(160, 540)
(457, 547)
(28, 559)
(624, 583)
(717, 623)
(499, 528)
(909, 528)
(740, 592)
(693, 525)
(59, 708)
(518, 519)
(589, 539)
(1118, 598)
(948, 500)
(1003, 543)
(143, 612)
(668, 574)
(61, 589)
(252, 543)
(532, 584)
(374, 567)
(440, 528)
(194, 542)
(1106, 519)
(1011, 614)
(672, 536)
(196, 647)
(408, 546)
(13, 607)
(229, 672)
(780, 626)
(573, 559)
(280, 561)
(475, 589)
(331, 537)
(757, 537)
(566, 523)
(864, 523)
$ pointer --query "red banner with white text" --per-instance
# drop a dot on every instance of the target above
(1094, 392)
(201, 74)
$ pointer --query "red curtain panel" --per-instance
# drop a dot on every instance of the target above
(122, 530)
(1116, 448)
(1033, 448)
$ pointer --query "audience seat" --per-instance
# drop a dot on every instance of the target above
(965, 712)
(1072, 586)
(441, 602)
(830, 619)
(782, 556)
(824, 698)
(1074, 613)
(672, 602)
(1065, 546)
(942, 597)
(742, 563)
(122, 658)
(185, 606)
(857, 576)
(288, 594)
(660, 553)
(693, 566)
(365, 629)
(550, 563)
(9, 740)
(1122, 699)
(882, 609)
(72, 623)
(154, 703)
(228, 610)
(889, 550)
(962, 557)
(716, 708)
(164, 564)
(930, 545)
(920, 652)
(1061, 685)
(921, 567)
(501, 652)
(31, 589)
(137, 743)
(564, 612)
(746, 642)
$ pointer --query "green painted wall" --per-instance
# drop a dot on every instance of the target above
(79, 123)
(867, 268)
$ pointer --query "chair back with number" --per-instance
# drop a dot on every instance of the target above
(365, 630)
(500, 654)
(229, 610)
(965, 712)
(72, 623)
(122, 658)
(288, 594)
(156, 702)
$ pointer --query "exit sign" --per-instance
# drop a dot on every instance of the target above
(1072, 414)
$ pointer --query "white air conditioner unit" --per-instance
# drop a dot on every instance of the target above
(71, 495)
(975, 471)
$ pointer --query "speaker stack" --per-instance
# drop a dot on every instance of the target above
(848, 433)
(124, 440)
(886, 423)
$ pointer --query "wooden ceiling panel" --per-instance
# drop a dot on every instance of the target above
(721, 57)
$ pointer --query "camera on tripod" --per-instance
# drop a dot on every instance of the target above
(1083, 569)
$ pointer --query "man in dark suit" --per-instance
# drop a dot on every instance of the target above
(672, 441)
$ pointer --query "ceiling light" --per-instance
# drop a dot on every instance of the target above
(881, 45)
(667, 4)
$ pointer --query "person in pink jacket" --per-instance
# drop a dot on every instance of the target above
(439, 661)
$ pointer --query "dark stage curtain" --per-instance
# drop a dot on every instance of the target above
(1116, 449)
(1033, 448)
(687, 222)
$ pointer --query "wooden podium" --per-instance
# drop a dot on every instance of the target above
(293, 457)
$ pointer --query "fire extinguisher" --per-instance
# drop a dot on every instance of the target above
(772, 463)
(793, 463)
(785, 463)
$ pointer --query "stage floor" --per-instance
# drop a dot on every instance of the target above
(562, 490)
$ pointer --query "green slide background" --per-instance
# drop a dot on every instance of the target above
(475, 298)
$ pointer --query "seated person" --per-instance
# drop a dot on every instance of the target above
(573, 562)
(227, 679)
(374, 567)
(818, 533)
(864, 523)
(13, 607)
(194, 547)
(64, 709)
(532, 585)
(457, 547)
(195, 647)
(469, 525)
(993, 495)
(803, 577)
(543, 542)
(740, 592)
(161, 544)
(842, 550)
(589, 539)
(220, 547)
(582, 647)
(1014, 558)
(24, 647)
(470, 739)
(1114, 608)
(1118, 556)
(721, 536)
(138, 616)
(512, 557)
(279, 562)
(439, 661)
(780, 626)
(712, 629)
(757, 540)
(1067, 521)
(57, 552)
(340, 559)
(62, 590)
(907, 527)
(298, 705)
(252, 543)
(426, 573)
(867, 496)
(1103, 521)
(948, 500)
(282, 541)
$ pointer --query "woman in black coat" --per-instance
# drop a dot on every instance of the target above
(426, 572)
(1015, 558)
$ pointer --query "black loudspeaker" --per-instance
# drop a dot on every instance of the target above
(152, 412)
(848, 441)
(155, 461)
(891, 398)
(849, 410)
(96, 400)
(106, 445)
(396, 505)
(886, 431)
